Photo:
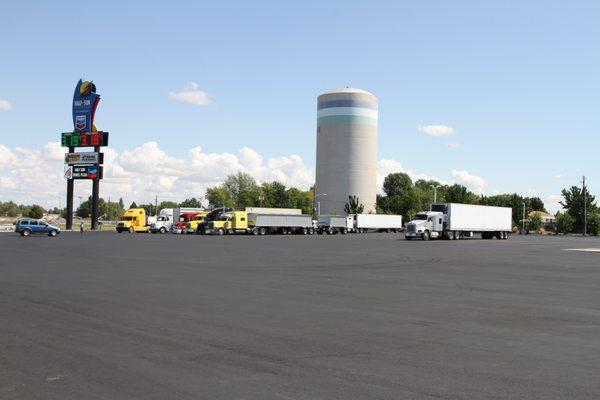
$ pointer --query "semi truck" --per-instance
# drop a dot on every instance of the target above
(333, 224)
(133, 220)
(211, 216)
(377, 222)
(260, 224)
(180, 223)
(166, 216)
(456, 221)
(192, 225)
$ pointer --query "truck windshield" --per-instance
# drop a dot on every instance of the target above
(421, 217)
(162, 219)
(128, 218)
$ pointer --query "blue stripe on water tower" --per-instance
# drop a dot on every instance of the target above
(347, 115)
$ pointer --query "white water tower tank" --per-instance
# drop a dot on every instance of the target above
(346, 149)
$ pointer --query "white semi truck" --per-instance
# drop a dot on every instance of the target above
(332, 224)
(455, 221)
(166, 216)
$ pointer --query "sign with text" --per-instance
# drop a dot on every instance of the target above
(84, 172)
(84, 139)
(85, 101)
(84, 158)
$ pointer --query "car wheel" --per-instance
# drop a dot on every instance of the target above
(426, 236)
(53, 232)
(26, 232)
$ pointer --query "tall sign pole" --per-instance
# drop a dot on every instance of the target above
(584, 209)
(84, 165)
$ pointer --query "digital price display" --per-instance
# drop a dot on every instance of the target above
(84, 139)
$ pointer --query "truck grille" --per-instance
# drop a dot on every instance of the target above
(411, 228)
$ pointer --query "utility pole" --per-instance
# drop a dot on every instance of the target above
(155, 205)
(523, 222)
(434, 197)
(108, 210)
(584, 209)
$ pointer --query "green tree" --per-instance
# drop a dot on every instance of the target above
(573, 202)
(397, 184)
(219, 197)
(9, 209)
(460, 194)
(535, 222)
(353, 206)
(133, 205)
(191, 202)
(166, 204)
(275, 194)
(36, 212)
(564, 222)
(300, 199)
(593, 224)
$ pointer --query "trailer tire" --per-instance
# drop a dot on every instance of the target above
(331, 231)
(426, 236)
(407, 237)
(262, 231)
(311, 231)
(343, 231)
(305, 231)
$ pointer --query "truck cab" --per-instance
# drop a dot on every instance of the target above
(210, 217)
(229, 222)
(184, 218)
(192, 225)
(425, 225)
(134, 220)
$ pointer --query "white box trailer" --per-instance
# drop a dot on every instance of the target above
(380, 222)
(475, 218)
(332, 224)
(275, 211)
(294, 223)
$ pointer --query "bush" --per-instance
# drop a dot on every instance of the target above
(593, 224)
(564, 222)
(36, 212)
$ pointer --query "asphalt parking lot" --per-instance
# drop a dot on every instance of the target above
(109, 316)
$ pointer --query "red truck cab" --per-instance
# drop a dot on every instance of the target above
(184, 218)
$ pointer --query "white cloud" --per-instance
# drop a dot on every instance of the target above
(453, 144)
(191, 94)
(473, 182)
(5, 105)
(557, 176)
(436, 130)
(140, 173)
(552, 203)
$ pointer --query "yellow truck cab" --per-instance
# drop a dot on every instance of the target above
(134, 220)
(192, 226)
(230, 222)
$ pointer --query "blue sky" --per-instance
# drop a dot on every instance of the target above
(518, 81)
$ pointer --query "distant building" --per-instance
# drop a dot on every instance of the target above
(548, 220)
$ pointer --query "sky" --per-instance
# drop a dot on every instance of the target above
(499, 96)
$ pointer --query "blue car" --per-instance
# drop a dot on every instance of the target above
(28, 226)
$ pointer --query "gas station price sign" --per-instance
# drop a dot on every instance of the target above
(84, 139)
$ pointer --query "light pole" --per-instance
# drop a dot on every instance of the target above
(318, 208)
(584, 209)
(434, 197)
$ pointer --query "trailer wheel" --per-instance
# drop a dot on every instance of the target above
(311, 231)
(330, 230)
(426, 236)
(262, 231)
(407, 237)
(343, 231)
(305, 231)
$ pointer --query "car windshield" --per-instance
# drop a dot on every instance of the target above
(421, 217)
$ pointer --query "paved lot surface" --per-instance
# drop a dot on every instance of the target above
(108, 316)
